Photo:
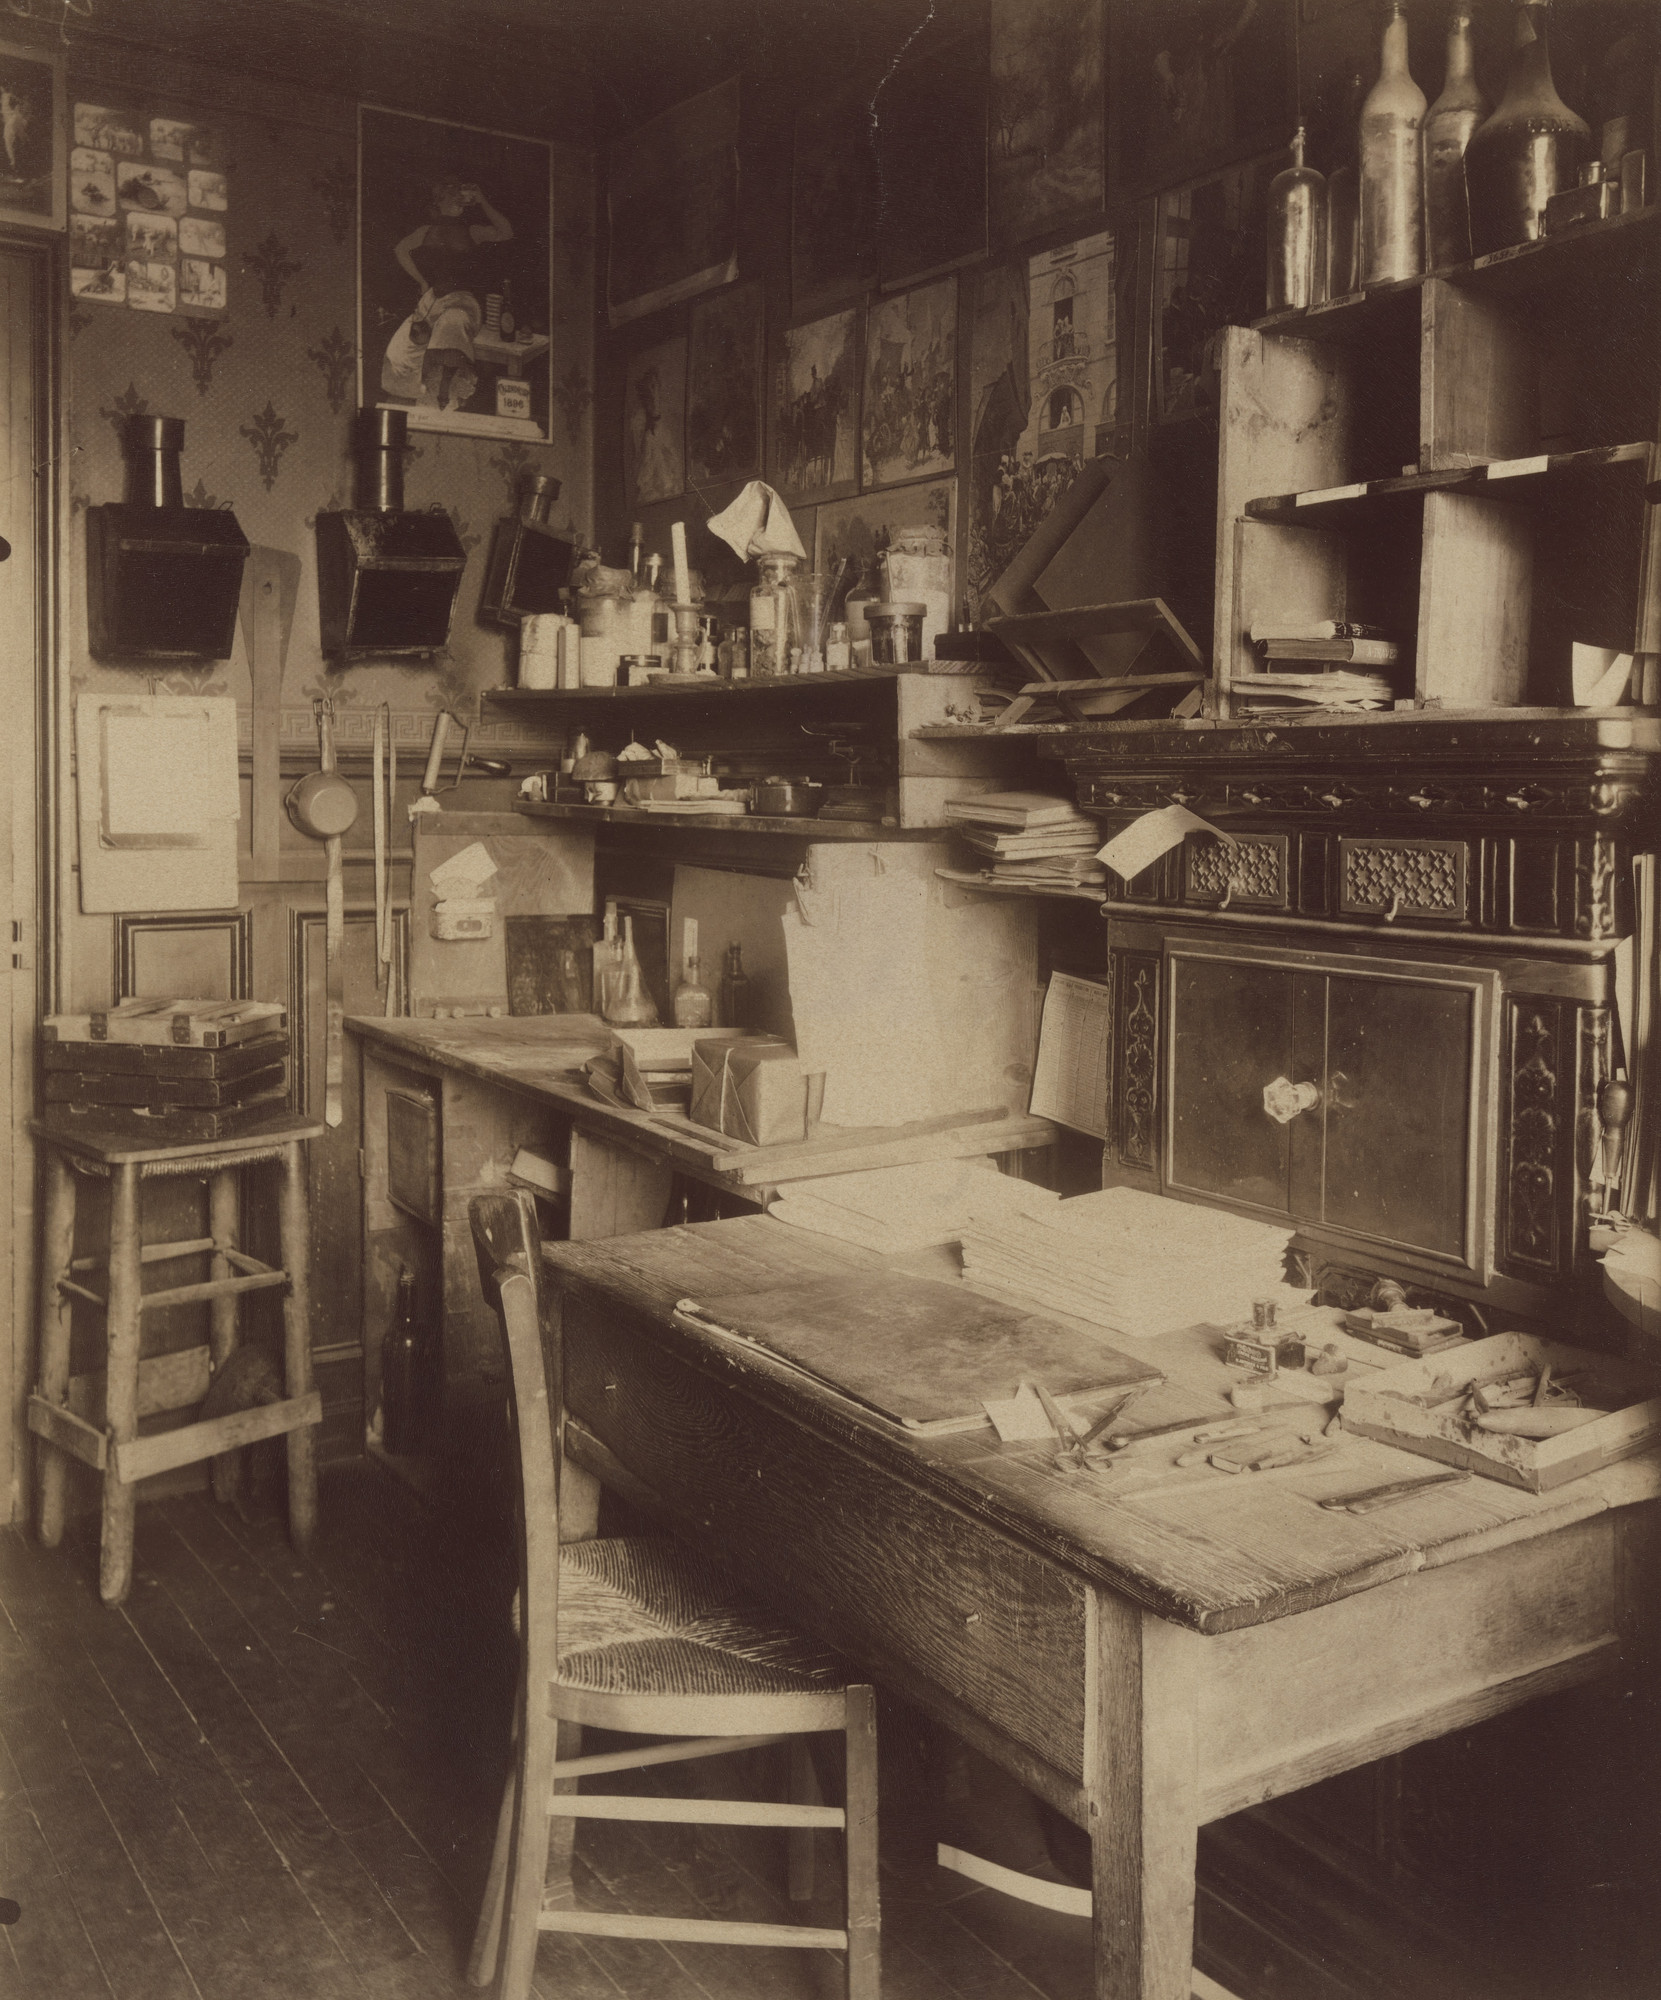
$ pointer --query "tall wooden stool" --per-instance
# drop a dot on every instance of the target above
(62, 1410)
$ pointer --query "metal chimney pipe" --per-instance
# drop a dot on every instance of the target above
(382, 439)
(537, 493)
(152, 446)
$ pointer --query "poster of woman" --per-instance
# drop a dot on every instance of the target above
(454, 305)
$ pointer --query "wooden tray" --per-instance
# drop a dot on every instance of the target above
(1380, 1407)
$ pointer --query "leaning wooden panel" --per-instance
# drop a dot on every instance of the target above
(994, 1626)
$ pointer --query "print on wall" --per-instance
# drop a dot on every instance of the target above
(929, 120)
(148, 197)
(1046, 124)
(863, 529)
(815, 409)
(31, 137)
(672, 197)
(723, 386)
(454, 301)
(833, 205)
(1195, 84)
(654, 424)
(1208, 274)
(909, 421)
(1057, 400)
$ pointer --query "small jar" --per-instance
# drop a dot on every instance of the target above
(838, 650)
(896, 632)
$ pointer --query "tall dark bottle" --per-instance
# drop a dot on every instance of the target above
(400, 1368)
(1532, 146)
(1450, 124)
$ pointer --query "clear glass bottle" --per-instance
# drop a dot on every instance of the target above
(735, 990)
(1449, 125)
(631, 1005)
(1392, 164)
(1531, 147)
(1343, 204)
(775, 621)
(608, 953)
(691, 1003)
(1297, 233)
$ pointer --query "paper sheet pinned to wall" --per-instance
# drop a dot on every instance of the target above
(158, 801)
(859, 990)
(1141, 843)
(1069, 1083)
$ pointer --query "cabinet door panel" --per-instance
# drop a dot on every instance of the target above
(1231, 1034)
(1398, 1111)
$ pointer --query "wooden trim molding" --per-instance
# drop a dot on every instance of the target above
(237, 926)
(306, 929)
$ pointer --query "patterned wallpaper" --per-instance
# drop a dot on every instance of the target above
(267, 392)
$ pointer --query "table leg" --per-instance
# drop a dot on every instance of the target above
(1142, 1781)
(123, 1323)
(294, 1235)
(57, 1247)
(222, 1227)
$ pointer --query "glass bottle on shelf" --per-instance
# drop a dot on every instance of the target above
(398, 1371)
(631, 1006)
(735, 990)
(608, 950)
(691, 1002)
(1343, 201)
(1297, 233)
(775, 625)
(1532, 146)
(1392, 164)
(1449, 125)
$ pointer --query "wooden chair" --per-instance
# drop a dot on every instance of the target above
(643, 1636)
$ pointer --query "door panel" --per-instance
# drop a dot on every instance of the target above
(1231, 1034)
(1398, 1106)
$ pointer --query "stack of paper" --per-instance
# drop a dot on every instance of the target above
(1138, 1264)
(1028, 836)
(894, 1209)
(1336, 689)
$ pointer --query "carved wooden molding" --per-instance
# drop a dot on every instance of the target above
(1136, 1055)
(237, 927)
(1536, 1137)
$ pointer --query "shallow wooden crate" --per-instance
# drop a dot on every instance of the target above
(1382, 1408)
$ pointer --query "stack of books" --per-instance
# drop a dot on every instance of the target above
(1133, 1263)
(1029, 837)
(1319, 663)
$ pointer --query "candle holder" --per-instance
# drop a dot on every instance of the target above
(686, 639)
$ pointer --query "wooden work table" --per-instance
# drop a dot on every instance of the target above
(492, 1086)
(1149, 1648)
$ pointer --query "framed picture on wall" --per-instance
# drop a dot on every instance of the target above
(813, 450)
(1208, 274)
(672, 202)
(33, 145)
(724, 361)
(909, 419)
(455, 305)
(654, 423)
(1046, 115)
(1193, 85)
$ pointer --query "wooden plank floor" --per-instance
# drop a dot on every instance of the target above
(273, 1776)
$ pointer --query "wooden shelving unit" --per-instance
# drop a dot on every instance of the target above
(1460, 459)
(799, 725)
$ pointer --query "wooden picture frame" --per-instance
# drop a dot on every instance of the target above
(1193, 86)
(908, 409)
(34, 145)
(813, 409)
(458, 334)
(726, 354)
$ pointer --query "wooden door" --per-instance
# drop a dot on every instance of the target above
(25, 522)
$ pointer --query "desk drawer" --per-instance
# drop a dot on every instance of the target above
(896, 1578)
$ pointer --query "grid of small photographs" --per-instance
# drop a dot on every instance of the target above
(147, 205)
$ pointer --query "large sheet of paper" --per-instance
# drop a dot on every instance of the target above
(1069, 1082)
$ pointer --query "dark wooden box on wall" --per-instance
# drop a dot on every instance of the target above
(1418, 919)
(163, 582)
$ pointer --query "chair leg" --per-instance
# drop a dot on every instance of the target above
(864, 1913)
(57, 1248)
(557, 1890)
(487, 1938)
(528, 1868)
(294, 1234)
(804, 1791)
(122, 1333)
